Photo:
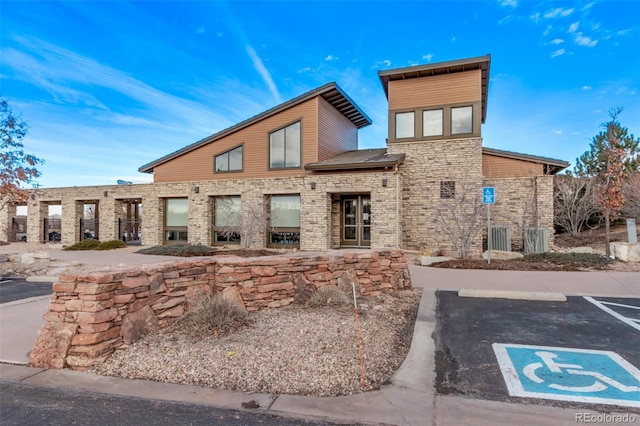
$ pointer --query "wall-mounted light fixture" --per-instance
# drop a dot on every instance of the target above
(196, 189)
(384, 182)
(313, 185)
(105, 193)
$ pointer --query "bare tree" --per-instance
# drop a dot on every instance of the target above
(247, 221)
(459, 213)
(631, 194)
(575, 200)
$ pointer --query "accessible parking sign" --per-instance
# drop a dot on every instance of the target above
(567, 374)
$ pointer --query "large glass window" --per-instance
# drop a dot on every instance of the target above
(432, 122)
(229, 161)
(285, 220)
(461, 120)
(226, 220)
(176, 219)
(284, 147)
(405, 125)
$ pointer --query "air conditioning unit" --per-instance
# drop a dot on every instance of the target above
(536, 240)
(500, 238)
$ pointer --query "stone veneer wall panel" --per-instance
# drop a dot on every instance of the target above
(514, 197)
(92, 315)
(426, 164)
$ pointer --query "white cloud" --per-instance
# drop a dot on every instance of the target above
(557, 41)
(305, 69)
(453, 39)
(558, 132)
(587, 87)
(511, 3)
(330, 58)
(547, 30)
(573, 27)
(428, 57)
(588, 5)
(385, 63)
(554, 13)
(584, 40)
(264, 72)
(200, 29)
(624, 32)
(558, 52)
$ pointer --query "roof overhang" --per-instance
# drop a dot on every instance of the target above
(358, 160)
(551, 165)
(481, 63)
(330, 92)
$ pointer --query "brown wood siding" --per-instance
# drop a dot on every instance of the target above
(198, 164)
(336, 133)
(501, 167)
(436, 90)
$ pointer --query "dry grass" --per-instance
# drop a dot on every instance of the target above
(217, 315)
(329, 296)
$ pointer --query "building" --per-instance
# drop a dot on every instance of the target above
(299, 165)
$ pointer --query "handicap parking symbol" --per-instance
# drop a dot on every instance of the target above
(567, 374)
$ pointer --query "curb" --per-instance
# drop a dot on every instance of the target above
(515, 295)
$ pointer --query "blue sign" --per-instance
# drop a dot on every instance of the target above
(488, 195)
(566, 374)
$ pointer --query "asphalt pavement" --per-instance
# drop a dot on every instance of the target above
(409, 399)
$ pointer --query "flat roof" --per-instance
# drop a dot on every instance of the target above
(330, 92)
(482, 63)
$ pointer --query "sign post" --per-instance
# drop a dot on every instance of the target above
(488, 198)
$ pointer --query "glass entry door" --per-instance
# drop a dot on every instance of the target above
(356, 221)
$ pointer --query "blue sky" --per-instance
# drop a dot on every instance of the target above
(109, 86)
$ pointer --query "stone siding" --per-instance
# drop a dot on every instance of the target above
(522, 202)
(92, 315)
(427, 163)
(317, 228)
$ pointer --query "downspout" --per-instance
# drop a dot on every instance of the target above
(397, 206)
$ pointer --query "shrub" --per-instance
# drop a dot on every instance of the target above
(91, 244)
(217, 314)
(329, 296)
(182, 250)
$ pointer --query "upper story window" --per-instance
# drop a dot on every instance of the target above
(432, 122)
(229, 161)
(405, 125)
(461, 120)
(284, 147)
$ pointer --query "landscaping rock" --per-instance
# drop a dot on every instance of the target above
(587, 250)
(428, 260)
(627, 252)
(502, 255)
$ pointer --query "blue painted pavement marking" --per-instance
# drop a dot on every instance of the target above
(567, 374)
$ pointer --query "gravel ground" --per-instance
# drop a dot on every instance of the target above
(294, 350)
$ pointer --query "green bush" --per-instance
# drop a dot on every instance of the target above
(219, 315)
(91, 244)
(329, 296)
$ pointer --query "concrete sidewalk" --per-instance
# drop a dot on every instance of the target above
(408, 400)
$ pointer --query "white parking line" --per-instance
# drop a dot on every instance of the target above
(630, 321)
(5, 281)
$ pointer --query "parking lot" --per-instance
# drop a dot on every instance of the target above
(12, 289)
(582, 353)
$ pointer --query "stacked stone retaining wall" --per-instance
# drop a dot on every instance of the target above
(92, 315)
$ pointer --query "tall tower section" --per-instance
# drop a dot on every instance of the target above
(436, 113)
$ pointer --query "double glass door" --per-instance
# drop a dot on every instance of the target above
(356, 221)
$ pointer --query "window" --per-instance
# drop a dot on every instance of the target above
(461, 120)
(432, 122)
(230, 161)
(405, 125)
(226, 220)
(284, 147)
(176, 220)
(447, 189)
(284, 228)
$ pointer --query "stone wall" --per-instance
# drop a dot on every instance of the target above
(427, 163)
(522, 202)
(92, 315)
(317, 229)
